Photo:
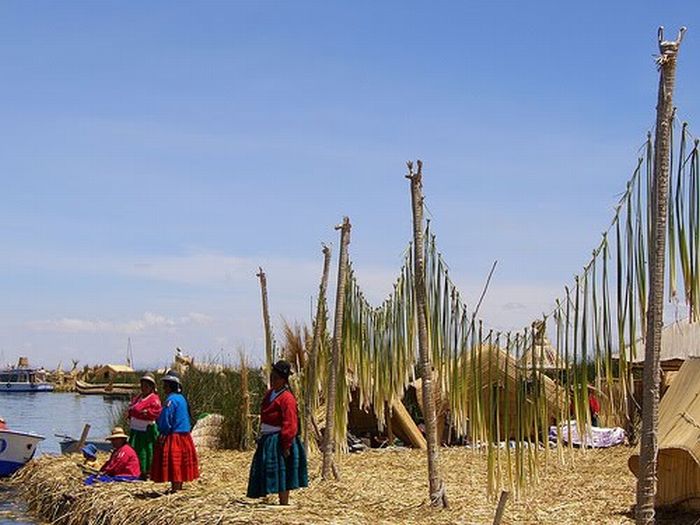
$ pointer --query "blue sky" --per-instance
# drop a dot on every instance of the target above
(153, 155)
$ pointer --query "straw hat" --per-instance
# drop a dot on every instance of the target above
(117, 433)
(149, 378)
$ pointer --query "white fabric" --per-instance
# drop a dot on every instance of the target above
(139, 424)
(269, 429)
(597, 437)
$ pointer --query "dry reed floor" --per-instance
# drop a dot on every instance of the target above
(376, 487)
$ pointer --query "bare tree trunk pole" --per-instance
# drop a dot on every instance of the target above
(310, 393)
(646, 483)
(328, 437)
(266, 323)
(246, 426)
(438, 496)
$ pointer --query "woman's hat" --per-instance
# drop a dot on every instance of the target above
(149, 378)
(89, 450)
(117, 432)
(283, 368)
(172, 376)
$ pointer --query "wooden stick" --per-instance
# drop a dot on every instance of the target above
(501, 507)
(83, 439)
(269, 358)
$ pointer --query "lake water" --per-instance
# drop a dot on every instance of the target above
(48, 414)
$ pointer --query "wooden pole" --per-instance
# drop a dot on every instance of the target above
(438, 495)
(328, 436)
(646, 482)
(266, 324)
(83, 439)
(500, 509)
(246, 426)
(310, 393)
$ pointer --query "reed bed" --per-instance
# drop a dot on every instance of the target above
(229, 392)
(380, 486)
(217, 389)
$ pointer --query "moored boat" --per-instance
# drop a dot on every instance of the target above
(16, 449)
(69, 444)
(106, 389)
(23, 378)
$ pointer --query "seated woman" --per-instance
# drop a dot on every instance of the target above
(123, 464)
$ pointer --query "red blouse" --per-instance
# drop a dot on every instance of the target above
(122, 462)
(147, 408)
(281, 412)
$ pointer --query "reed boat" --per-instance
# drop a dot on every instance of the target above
(16, 449)
(106, 389)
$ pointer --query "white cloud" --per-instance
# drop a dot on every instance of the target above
(149, 321)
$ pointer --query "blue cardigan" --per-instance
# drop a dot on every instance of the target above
(175, 416)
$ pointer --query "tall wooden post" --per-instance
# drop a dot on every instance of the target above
(646, 483)
(310, 392)
(328, 437)
(246, 423)
(266, 323)
(438, 496)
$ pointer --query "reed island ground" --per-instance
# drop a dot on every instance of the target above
(376, 487)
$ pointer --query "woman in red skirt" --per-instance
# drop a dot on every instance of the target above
(174, 457)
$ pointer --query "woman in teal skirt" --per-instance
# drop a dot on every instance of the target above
(279, 463)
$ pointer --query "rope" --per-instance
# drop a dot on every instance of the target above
(437, 497)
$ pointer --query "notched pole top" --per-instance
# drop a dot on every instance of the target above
(345, 226)
(415, 176)
(669, 48)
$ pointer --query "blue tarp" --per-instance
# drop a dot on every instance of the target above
(102, 478)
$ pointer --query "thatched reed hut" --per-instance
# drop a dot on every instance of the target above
(678, 467)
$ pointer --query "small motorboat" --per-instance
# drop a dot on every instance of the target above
(16, 449)
(23, 378)
(69, 445)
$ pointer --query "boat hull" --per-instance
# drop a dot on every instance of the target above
(12, 388)
(107, 390)
(16, 449)
(68, 445)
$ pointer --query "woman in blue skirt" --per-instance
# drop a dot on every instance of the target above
(279, 463)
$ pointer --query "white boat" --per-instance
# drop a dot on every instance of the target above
(16, 448)
(24, 379)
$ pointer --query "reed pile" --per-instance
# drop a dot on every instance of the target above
(376, 487)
